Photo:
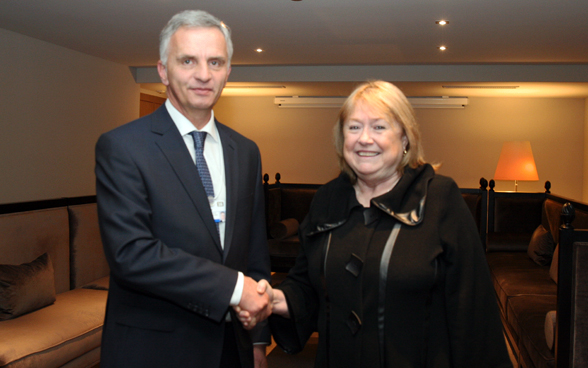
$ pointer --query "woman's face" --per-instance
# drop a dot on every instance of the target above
(373, 147)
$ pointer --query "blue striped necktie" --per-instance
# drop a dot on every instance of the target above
(199, 138)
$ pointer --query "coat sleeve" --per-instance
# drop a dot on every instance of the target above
(291, 334)
(475, 329)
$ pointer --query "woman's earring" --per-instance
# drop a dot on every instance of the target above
(405, 152)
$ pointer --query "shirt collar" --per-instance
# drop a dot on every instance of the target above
(186, 127)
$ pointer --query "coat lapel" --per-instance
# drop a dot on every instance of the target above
(173, 147)
(230, 154)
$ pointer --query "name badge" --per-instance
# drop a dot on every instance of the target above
(219, 211)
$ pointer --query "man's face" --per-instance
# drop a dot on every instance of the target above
(197, 69)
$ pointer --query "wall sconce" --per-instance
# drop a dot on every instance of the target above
(516, 163)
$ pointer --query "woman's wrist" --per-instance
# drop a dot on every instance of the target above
(280, 306)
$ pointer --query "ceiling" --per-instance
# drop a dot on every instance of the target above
(310, 33)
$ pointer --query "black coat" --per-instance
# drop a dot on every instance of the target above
(434, 306)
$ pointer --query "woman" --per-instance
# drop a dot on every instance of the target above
(391, 270)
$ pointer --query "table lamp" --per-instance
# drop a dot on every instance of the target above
(516, 163)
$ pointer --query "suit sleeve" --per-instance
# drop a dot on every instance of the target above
(138, 259)
(259, 259)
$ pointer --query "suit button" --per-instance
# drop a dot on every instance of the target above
(353, 322)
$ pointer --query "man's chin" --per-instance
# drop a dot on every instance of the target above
(202, 104)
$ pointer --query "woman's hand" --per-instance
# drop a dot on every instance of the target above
(277, 298)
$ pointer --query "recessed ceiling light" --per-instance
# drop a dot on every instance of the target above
(442, 22)
(259, 50)
(442, 48)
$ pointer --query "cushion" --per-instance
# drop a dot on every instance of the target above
(284, 229)
(550, 319)
(87, 260)
(541, 246)
(26, 287)
(100, 284)
(554, 264)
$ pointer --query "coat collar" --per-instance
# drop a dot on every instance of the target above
(405, 202)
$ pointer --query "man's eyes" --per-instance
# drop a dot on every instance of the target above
(212, 63)
(217, 63)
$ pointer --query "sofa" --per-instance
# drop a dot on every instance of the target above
(53, 284)
(572, 294)
(286, 205)
(523, 248)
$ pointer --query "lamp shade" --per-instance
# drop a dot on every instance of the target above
(516, 162)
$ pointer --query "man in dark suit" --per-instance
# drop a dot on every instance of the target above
(184, 245)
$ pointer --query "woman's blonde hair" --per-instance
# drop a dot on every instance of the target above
(387, 99)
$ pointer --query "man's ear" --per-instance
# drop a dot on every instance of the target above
(162, 70)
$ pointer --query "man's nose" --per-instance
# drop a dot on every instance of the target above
(202, 73)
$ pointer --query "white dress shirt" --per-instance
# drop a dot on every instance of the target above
(213, 154)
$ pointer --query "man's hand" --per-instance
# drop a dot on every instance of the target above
(255, 301)
(278, 301)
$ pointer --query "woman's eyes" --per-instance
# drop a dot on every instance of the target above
(377, 127)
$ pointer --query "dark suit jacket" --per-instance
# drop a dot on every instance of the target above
(171, 281)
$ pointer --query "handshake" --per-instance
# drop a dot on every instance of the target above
(258, 301)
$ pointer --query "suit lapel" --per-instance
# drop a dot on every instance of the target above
(173, 147)
(230, 153)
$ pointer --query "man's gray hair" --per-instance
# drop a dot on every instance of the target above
(192, 18)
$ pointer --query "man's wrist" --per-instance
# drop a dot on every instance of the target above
(238, 292)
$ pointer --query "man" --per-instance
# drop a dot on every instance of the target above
(177, 267)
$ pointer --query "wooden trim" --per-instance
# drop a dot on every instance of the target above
(151, 98)
(45, 204)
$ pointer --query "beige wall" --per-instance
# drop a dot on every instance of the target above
(297, 143)
(54, 104)
(468, 141)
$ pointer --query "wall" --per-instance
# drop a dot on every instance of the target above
(55, 102)
(297, 143)
(468, 141)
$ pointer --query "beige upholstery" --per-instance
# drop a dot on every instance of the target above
(88, 262)
(71, 327)
(26, 235)
(67, 333)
